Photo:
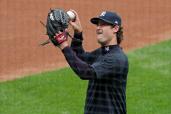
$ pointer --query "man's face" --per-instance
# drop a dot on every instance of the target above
(105, 32)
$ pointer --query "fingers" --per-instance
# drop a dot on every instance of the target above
(66, 30)
(76, 16)
(58, 33)
(61, 32)
(76, 24)
(76, 21)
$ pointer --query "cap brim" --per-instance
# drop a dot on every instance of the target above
(95, 20)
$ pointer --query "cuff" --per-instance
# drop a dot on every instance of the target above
(77, 39)
(66, 50)
(78, 36)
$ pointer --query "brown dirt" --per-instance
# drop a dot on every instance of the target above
(144, 21)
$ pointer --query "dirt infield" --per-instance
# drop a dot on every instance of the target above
(144, 21)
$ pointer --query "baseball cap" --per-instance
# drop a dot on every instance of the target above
(108, 17)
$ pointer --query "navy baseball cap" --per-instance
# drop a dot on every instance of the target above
(108, 17)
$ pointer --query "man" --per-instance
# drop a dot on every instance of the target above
(106, 68)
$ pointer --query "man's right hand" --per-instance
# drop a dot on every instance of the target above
(76, 24)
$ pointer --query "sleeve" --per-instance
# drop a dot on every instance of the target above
(76, 43)
(81, 68)
(109, 66)
(77, 47)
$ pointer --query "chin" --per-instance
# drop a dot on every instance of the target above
(102, 43)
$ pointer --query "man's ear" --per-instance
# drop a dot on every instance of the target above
(115, 28)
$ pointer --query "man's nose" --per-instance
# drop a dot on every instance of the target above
(98, 26)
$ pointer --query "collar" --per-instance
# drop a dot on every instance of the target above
(107, 49)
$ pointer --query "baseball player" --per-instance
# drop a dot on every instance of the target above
(106, 68)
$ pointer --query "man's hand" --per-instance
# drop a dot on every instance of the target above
(76, 24)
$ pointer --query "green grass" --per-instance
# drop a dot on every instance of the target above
(62, 92)
(149, 80)
(56, 92)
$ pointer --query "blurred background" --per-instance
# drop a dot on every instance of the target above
(144, 21)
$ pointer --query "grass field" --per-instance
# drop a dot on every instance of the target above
(62, 92)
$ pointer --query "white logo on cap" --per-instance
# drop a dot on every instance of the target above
(116, 22)
(103, 13)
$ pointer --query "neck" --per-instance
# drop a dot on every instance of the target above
(113, 41)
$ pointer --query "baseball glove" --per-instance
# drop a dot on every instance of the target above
(57, 22)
